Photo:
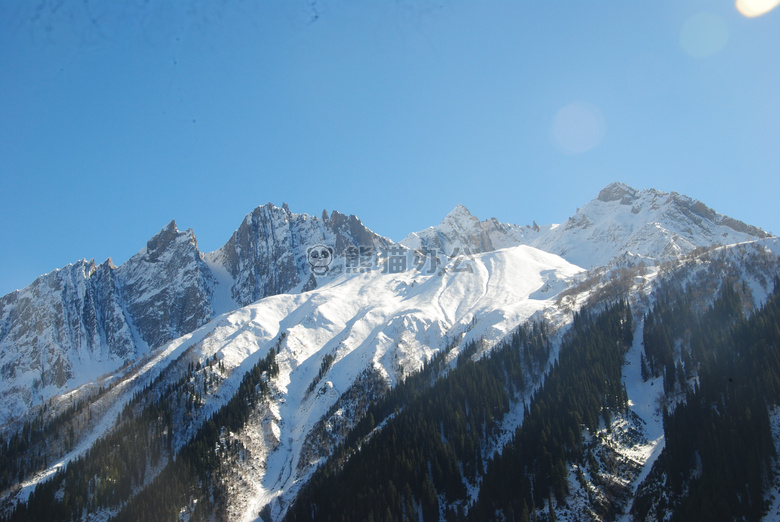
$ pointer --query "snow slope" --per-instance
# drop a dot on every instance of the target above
(389, 322)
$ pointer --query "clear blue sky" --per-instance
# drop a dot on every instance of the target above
(118, 116)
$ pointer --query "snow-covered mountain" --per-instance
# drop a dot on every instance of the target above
(68, 325)
(85, 320)
(621, 222)
(328, 339)
(267, 353)
(166, 287)
(462, 233)
(651, 224)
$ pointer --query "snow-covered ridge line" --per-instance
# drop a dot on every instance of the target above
(391, 322)
(77, 323)
(84, 320)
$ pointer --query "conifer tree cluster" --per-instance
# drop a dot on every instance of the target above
(430, 444)
(193, 476)
(719, 449)
(25, 451)
(107, 474)
(115, 468)
(582, 390)
(430, 450)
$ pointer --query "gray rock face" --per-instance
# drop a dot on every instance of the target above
(75, 324)
(167, 287)
(267, 255)
(616, 192)
(67, 326)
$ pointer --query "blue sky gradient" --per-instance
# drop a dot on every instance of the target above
(116, 117)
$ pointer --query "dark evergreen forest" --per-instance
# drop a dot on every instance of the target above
(432, 447)
(114, 468)
(719, 449)
(721, 374)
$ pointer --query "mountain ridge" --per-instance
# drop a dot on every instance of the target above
(648, 224)
(169, 287)
(100, 317)
(176, 325)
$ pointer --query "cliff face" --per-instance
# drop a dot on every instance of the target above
(267, 255)
(76, 323)
(67, 325)
(167, 287)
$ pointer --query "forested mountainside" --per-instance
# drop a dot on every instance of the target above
(721, 387)
(488, 380)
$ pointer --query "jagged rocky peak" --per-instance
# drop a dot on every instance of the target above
(460, 215)
(86, 319)
(62, 330)
(462, 232)
(617, 192)
(350, 231)
(655, 199)
(678, 206)
(167, 286)
(163, 238)
(166, 237)
(647, 224)
(266, 255)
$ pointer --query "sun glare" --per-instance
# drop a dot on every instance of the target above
(754, 8)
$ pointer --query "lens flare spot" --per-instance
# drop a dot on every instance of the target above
(704, 34)
(754, 8)
(578, 127)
